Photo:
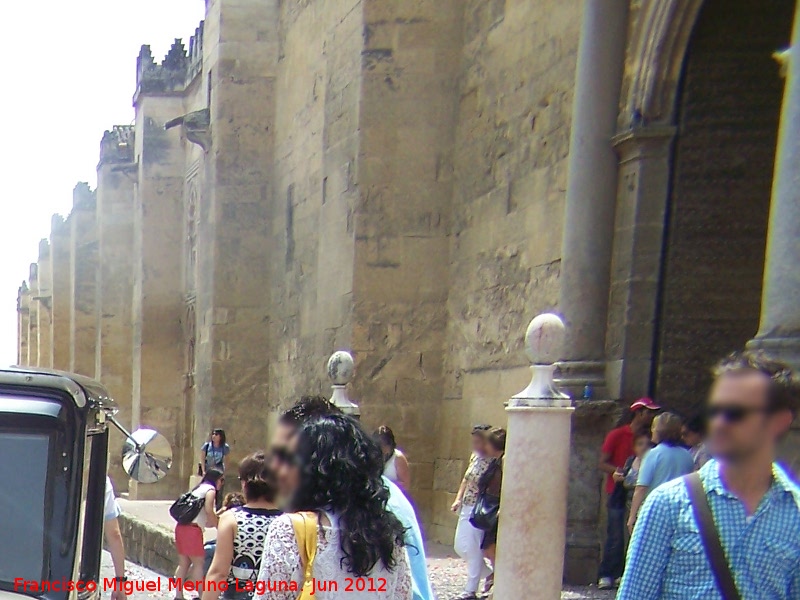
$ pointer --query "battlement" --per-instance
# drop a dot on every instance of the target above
(175, 72)
(116, 147)
(83, 197)
(44, 248)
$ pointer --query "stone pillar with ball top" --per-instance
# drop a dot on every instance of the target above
(340, 371)
(533, 504)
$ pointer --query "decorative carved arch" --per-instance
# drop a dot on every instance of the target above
(655, 61)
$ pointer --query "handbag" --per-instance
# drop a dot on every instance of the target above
(186, 508)
(487, 506)
(305, 526)
(709, 534)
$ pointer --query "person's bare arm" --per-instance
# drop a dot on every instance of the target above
(639, 494)
(459, 496)
(116, 547)
(403, 472)
(223, 556)
(211, 509)
(604, 465)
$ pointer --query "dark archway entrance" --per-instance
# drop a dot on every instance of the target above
(728, 115)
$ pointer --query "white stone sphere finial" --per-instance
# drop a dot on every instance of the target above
(544, 339)
(544, 344)
(341, 367)
(340, 371)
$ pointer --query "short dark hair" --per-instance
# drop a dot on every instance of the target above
(480, 429)
(696, 423)
(258, 479)
(497, 439)
(385, 435)
(308, 407)
(783, 391)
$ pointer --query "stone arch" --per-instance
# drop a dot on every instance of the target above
(659, 43)
(655, 59)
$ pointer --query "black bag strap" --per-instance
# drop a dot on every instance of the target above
(710, 536)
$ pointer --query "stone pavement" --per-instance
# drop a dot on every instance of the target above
(447, 571)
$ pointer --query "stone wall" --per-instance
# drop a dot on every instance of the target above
(151, 546)
(514, 106)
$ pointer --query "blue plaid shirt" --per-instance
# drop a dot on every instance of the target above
(667, 560)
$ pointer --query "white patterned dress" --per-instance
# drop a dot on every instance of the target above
(281, 565)
(252, 525)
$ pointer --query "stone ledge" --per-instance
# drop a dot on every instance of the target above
(151, 546)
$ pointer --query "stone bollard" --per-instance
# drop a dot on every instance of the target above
(533, 504)
(340, 371)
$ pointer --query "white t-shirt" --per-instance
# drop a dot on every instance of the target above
(111, 509)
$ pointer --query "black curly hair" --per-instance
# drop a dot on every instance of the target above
(340, 471)
(307, 408)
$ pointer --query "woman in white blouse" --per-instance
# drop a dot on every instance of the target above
(333, 469)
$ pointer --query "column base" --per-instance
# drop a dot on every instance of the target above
(783, 348)
(574, 376)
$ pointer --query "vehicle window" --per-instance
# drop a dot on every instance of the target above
(22, 504)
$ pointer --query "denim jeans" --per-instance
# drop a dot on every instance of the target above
(613, 562)
(208, 548)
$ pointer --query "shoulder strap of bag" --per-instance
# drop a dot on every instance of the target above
(710, 536)
(305, 526)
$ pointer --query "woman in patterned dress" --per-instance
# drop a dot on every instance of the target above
(468, 539)
(334, 468)
(242, 531)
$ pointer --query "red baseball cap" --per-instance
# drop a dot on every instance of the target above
(645, 403)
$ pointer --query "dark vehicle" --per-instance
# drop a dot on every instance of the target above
(53, 458)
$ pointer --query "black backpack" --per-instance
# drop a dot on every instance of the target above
(186, 508)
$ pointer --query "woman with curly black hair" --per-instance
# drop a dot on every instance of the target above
(352, 547)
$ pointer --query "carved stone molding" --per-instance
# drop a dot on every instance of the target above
(655, 61)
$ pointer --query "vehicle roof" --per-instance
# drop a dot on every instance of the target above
(82, 389)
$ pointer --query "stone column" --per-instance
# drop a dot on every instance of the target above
(591, 192)
(32, 360)
(530, 551)
(113, 359)
(61, 292)
(44, 297)
(158, 303)
(23, 316)
(641, 207)
(779, 331)
(83, 264)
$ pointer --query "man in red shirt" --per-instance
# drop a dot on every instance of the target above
(615, 452)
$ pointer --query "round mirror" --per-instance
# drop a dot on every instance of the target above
(146, 456)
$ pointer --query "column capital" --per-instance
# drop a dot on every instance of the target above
(636, 143)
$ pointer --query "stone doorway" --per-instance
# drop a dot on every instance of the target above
(728, 109)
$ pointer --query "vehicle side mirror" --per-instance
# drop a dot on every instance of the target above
(146, 456)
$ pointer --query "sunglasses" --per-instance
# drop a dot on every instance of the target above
(284, 455)
(732, 414)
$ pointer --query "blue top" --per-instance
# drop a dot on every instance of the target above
(666, 558)
(402, 509)
(662, 464)
(215, 455)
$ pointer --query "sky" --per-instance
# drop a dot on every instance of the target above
(68, 74)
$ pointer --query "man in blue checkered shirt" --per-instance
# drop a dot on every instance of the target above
(756, 506)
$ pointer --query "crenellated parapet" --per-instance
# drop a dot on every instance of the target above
(175, 72)
(83, 197)
(116, 147)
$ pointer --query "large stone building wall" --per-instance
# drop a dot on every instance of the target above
(390, 177)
